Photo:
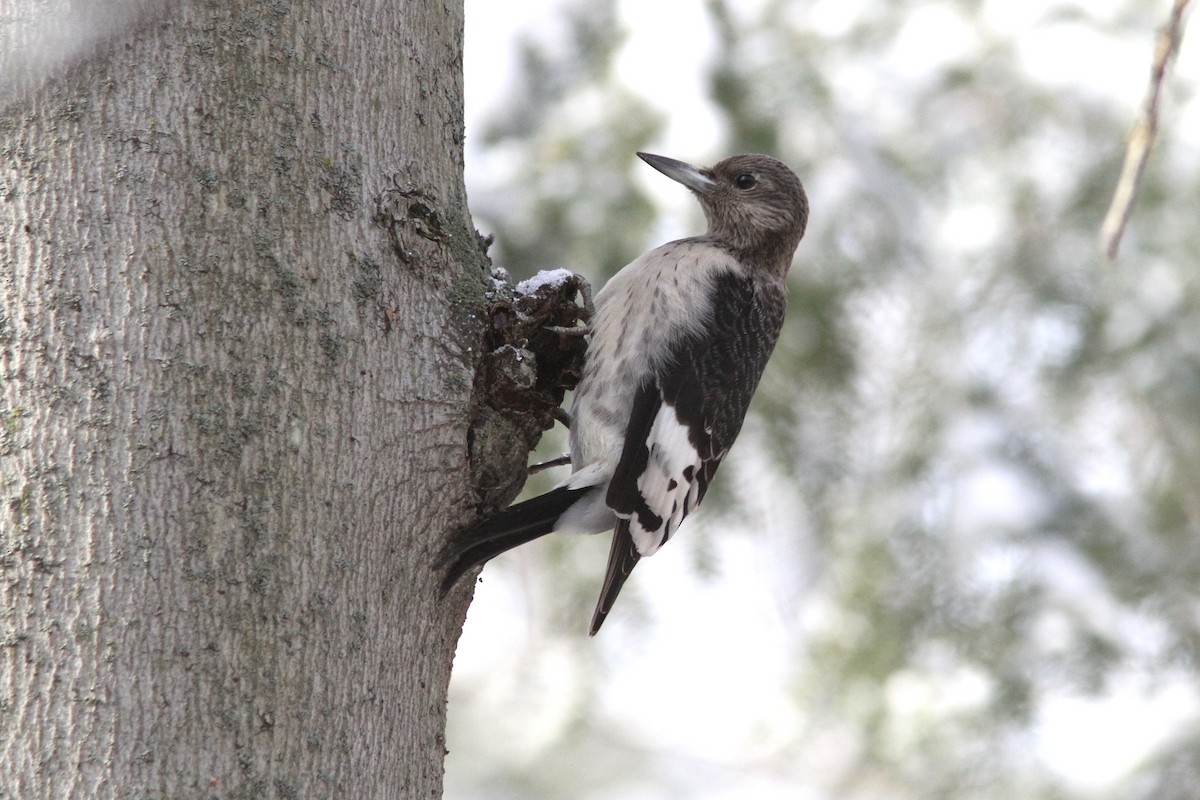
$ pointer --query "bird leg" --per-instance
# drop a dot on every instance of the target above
(562, 416)
(561, 461)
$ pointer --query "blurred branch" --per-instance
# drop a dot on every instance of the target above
(1137, 152)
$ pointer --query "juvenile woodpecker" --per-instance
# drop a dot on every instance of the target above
(678, 342)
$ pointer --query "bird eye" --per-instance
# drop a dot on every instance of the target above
(745, 181)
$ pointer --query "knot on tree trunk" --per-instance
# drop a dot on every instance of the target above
(535, 347)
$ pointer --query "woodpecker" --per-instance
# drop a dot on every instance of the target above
(678, 341)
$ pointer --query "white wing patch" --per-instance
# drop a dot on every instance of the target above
(668, 484)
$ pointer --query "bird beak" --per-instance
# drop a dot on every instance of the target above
(694, 178)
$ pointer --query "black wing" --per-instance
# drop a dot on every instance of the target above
(685, 420)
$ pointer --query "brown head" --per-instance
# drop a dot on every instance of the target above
(754, 204)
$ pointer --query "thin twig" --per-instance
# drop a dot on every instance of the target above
(1137, 151)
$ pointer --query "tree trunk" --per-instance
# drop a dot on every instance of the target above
(239, 327)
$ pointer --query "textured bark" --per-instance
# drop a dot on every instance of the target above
(239, 316)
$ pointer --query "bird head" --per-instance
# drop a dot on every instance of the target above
(753, 203)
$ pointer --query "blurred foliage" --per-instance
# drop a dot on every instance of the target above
(995, 434)
(572, 201)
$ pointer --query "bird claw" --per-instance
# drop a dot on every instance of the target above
(585, 294)
(586, 309)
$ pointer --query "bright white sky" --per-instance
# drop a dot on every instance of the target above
(737, 632)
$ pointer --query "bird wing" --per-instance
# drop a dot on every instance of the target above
(686, 416)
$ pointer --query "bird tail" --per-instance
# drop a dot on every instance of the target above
(623, 556)
(510, 528)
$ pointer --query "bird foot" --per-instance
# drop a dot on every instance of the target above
(562, 330)
(586, 309)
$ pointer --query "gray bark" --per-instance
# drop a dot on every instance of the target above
(239, 310)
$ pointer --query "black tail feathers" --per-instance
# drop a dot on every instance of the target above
(623, 556)
(510, 528)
